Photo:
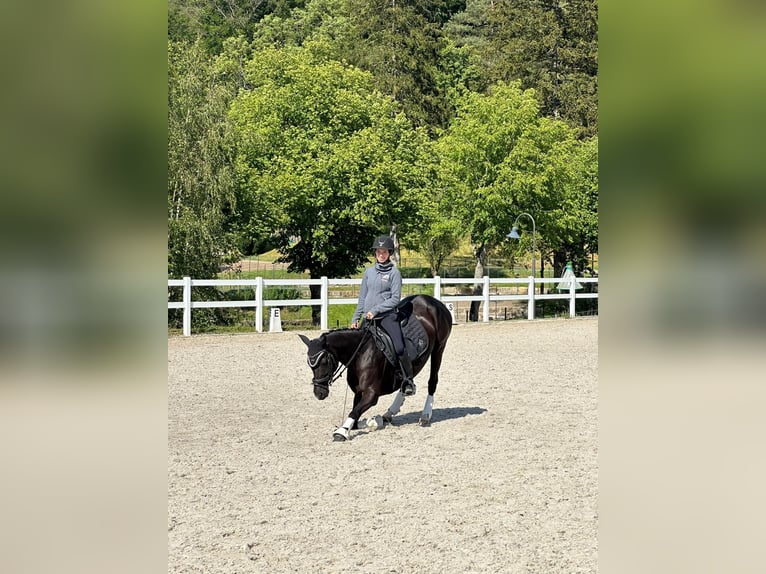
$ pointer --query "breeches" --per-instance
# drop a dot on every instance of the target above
(391, 324)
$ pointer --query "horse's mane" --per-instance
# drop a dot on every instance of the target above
(343, 330)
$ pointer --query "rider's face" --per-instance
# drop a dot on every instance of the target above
(381, 255)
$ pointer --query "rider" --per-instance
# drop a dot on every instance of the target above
(379, 295)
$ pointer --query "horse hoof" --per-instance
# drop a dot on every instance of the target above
(375, 423)
(424, 422)
(388, 417)
(340, 435)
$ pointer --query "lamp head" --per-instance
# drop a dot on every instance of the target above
(514, 234)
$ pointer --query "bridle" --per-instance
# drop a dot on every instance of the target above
(314, 360)
(336, 369)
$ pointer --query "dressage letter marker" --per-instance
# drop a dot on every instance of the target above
(275, 322)
(451, 308)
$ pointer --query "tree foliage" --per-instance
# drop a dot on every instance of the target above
(576, 235)
(335, 160)
(211, 22)
(200, 175)
(313, 125)
(400, 42)
(474, 153)
(500, 158)
(549, 45)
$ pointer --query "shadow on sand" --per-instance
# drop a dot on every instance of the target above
(438, 415)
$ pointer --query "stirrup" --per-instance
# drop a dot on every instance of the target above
(409, 388)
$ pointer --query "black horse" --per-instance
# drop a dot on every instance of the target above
(370, 374)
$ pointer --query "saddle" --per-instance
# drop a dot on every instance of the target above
(415, 336)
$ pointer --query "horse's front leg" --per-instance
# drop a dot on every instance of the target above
(357, 398)
(363, 400)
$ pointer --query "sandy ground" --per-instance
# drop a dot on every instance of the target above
(504, 480)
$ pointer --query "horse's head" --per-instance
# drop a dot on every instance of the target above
(323, 364)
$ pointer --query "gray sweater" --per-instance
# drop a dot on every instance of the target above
(379, 292)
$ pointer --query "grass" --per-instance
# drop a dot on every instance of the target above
(265, 273)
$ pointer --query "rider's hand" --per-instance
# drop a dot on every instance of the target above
(369, 315)
(355, 325)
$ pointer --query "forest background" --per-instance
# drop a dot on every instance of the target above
(310, 127)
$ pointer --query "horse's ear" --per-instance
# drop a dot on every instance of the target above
(305, 339)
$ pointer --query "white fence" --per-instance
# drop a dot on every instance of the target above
(325, 300)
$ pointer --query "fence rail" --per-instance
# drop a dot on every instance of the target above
(259, 303)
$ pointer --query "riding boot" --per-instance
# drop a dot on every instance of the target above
(408, 385)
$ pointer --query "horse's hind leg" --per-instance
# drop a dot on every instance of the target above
(395, 407)
(433, 381)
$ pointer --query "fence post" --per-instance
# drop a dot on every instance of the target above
(485, 292)
(531, 293)
(259, 304)
(187, 306)
(325, 298)
(572, 296)
(437, 287)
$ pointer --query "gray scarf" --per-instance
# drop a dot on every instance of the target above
(384, 267)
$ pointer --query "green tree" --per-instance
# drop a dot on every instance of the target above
(539, 175)
(577, 234)
(499, 158)
(438, 233)
(467, 34)
(323, 21)
(200, 175)
(334, 159)
(400, 43)
(213, 21)
(484, 132)
(549, 45)
(438, 240)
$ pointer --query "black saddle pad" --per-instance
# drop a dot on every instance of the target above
(415, 336)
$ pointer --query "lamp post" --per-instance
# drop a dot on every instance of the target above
(514, 234)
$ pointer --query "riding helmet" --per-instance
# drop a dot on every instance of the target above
(383, 242)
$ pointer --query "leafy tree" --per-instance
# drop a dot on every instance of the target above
(484, 132)
(538, 175)
(437, 234)
(577, 234)
(400, 42)
(213, 21)
(499, 158)
(200, 174)
(333, 158)
(467, 34)
(549, 45)
(323, 21)
(438, 241)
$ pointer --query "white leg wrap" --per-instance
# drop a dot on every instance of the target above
(349, 423)
(341, 433)
(397, 404)
(428, 407)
